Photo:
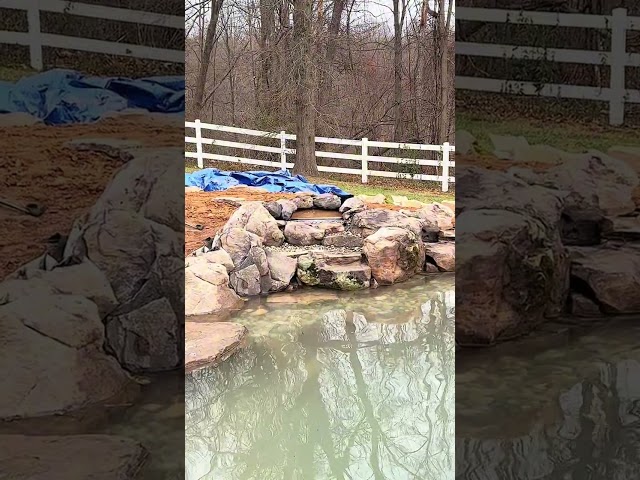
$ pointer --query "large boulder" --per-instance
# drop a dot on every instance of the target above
(352, 203)
(255, 218)
(442, 255)
(310, 233)
(327, 201)
(134, 235)
(282, 269)
(220, 257)
(593, 180)
(340, 272)
(250, 275)
(394, 254)
(610, 275)
(208, 344)
(512, 270)
(207, 291)
(287, 208)
(237, 242)
(53, 358)
(439, 215)
(303, 200)
(367, 222)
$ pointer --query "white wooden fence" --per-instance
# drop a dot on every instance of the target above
(35, 38)
(618, 58)
(283, 151)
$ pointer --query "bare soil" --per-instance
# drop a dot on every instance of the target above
(38, 168)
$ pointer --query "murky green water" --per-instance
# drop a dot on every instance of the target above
(334, 386)
(569, 410)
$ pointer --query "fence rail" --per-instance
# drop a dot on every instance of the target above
(35, 39)
(616, 94)
(445, 163)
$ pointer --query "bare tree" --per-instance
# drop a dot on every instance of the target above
(305, 79)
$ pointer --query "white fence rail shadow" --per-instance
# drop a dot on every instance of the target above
(35, 39)
(616, 94)
(284, 151)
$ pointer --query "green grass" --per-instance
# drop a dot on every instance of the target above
(13, 74)
(413, 190)
(565, 136)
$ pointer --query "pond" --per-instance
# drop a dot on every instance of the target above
(331, 385)
(570, 411)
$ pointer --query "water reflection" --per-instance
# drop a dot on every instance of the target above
(357, 388)
(567, 413)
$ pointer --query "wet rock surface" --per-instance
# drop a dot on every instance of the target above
(208, 344)
(99, 457)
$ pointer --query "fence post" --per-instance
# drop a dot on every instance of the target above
(365, 160)
(200, 158)
(283, 149)
(618, 63)
(35, 38)
(445, 167)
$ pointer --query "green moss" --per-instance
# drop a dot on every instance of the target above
(344, 281)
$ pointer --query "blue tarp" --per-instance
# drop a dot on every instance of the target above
(214, 180)
(65, 96)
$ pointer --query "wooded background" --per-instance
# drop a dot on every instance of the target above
(340, 68)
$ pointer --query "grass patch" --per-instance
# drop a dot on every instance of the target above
(565, 136)
(13, 74)
(422, 191)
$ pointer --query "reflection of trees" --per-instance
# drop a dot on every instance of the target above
(595, 435)
(350, 399)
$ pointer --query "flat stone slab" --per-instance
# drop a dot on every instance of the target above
(622, 228)
(73, 457)
(208, 344)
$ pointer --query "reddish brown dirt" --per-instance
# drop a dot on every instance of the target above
(38, 168)
(209, 210)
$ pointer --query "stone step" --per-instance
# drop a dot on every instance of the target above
(621, 228)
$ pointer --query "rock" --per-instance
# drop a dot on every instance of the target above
(621, 228)
(303, 233)
(282, 269)
(99, 457)
(288, 208)
(611, 274)
(465, 142)
(220, 257)
(208, 344)
(327, 201)
(511, 275)
(368, 222)
(255, 218)
(343, 240)
(350, 204)
(581, 225)
(83, 279)
(402, 201)
(317, 269)
(141, 345)
(379, 199)
(439, 215)
(582, 306)
(246, 282)
(431, 268)
(512, 270)
(238, 243)
(442, 255)
(207, 291)
(447, 235)
(394, 255)
(594, 180)
(274, 208)
(52, 352)
(134, 235)
(303, 200)
(508, 146)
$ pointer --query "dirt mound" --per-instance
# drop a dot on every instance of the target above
(67, 182)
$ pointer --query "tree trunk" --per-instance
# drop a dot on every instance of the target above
(326, 84)
(216, 6)
(305, 88)
(398, 17)
(444, 21)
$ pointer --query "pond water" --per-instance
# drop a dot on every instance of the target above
(569, 411)
(355, 385)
